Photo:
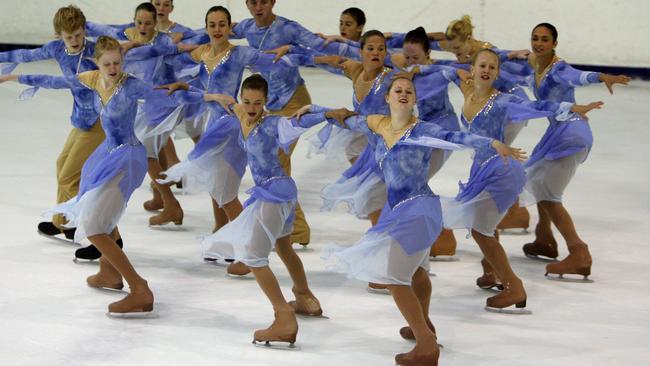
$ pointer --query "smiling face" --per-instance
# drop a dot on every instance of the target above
(218, 27)
(414, 54)
(373, 53)
(110, 65)
(401, 96)
(485, 68)
(542, 42)
(163, 8)
(349, 28)
(74, 40)
(261, 10)
(145, 23)
(253, 101)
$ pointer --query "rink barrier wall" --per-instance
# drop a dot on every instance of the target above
(642, 73)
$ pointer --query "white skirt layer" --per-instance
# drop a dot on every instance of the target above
(192, 128)
(438, 159)
(343, 145)
(362, 195)
(377, 258)
(154, 137)
(97, 212)
(480, 213)
(208, 173)
(546, 180)
(251, 236)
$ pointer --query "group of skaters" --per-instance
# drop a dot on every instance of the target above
(138, 84)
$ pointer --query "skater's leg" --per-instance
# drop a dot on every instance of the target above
(284, 326)
(495, 255)
(169, 151)
(374, 217)
(544, 243)
(579, 259)
(426, 347)
(172, 211)
(140, 298)
(306, 303)
(220, 217)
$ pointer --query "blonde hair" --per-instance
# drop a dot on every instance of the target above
(461, 28)
(68, 19)
(483, 50)
(103, 44)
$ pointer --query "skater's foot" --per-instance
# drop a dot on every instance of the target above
(172, 214)
(140, 300)
(489, 279)
(156, 203)
(376, 288)
(283, 329)
(48, 228)
(544, 244)
(107, 277)
(91, 253)
(513, 293)
(407, 332)
(306, 304)
(516, 218)
(577, 262)
(237, 269)
(538, 249)
(445, 245)
(425, 355)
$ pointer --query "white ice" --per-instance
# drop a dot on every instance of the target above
(48, 316)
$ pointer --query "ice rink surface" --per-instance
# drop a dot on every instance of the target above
(48, 316)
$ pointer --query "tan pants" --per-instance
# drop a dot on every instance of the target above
(78, 147)
(301, 232)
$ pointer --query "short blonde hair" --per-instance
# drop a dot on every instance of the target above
(68, 19)
(103, 44)
(461, 28)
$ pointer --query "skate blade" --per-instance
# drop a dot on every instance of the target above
(133, 315)
(277, 345)
(541, 259)
(302, 248)
(170, 226)
(563, 278)
(444, 258)
(495, 288)
(216, 262)
(59, 240)
(248, 276)
(378, 291)
(82, 261)
(510, 310)
(514, 231)
(108, 289)
(432, 274)
(307, 316)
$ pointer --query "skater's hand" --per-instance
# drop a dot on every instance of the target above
(225, 100)
(464, 75)
(8, 77)
(128, 45)
(520, 54)
(332, 60)
(610, 80)
(302, 111)
(506, 151)
(176, 36)
(582, 110)
(173, 87)
(407, 74)
(184, 47)
(340, 115)
(279, 52)
(330, 39)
